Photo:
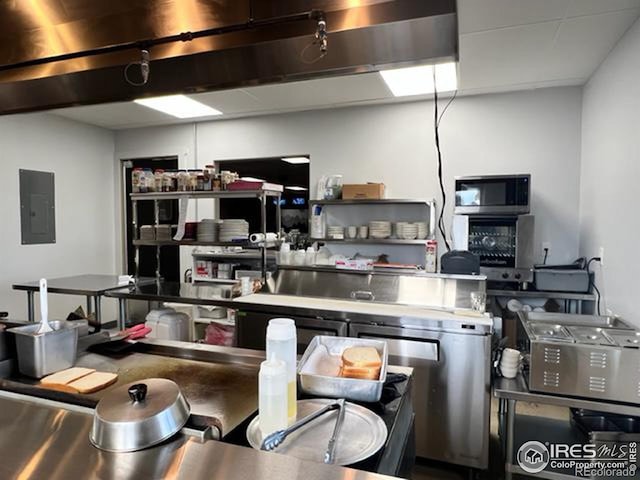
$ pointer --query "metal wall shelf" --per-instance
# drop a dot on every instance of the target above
(374, 241)
(192, 243)
(204, 194)
(384, 201)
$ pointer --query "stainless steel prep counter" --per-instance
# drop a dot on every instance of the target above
(92, 286)
(42, 440)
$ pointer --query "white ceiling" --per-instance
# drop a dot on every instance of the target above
(504, 45)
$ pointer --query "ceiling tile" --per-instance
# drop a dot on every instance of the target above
(591, 7)
(505, 57)
(583, 42)
(115, 115)
(230, 101)
(321, 92)
(478, 16)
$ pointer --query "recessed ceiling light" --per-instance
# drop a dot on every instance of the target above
(295, 160)
(251, 179)
(179, 106)
(419, 80)
(297, 189)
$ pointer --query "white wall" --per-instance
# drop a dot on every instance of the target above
(610, 172)
(535, 132)
(81, 157)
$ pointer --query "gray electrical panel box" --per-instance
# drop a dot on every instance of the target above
(37, 207)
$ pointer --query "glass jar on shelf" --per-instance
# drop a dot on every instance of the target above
(158, 179)
(168, 182)
(216, 184)
(209, 173)
(193, 180)
(136, 178)
(200, 183)
(183, 181)
(149, 180)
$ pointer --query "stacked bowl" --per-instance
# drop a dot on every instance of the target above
(379, 229)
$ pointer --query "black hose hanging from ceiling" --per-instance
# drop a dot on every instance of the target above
(181, 37)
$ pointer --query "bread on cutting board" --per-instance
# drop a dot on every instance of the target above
(94, 382)
(64, 377)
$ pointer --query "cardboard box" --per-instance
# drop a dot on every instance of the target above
(363, 191)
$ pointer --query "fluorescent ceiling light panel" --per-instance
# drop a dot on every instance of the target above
(297, 189)
(295, 160)
(419, 80)
(251, 179)
(179, 106)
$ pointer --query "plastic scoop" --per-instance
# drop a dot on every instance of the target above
(44, 309)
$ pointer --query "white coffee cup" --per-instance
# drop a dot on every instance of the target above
(363, 231)
(352, 231)
(510, 354)
(509, 372)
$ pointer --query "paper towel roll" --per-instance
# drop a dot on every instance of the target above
(261, 237)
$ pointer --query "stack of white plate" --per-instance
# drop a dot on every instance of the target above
(409, 231)
(234, 229)
(379, 229)
(422, 230)
(208, 230)
(335, 231)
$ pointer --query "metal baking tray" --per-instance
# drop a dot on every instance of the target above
(363, 433)
(339, 387)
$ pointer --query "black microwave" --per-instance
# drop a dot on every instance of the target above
(493, 195)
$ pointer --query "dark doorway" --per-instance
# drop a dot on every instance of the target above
(169, 255)
(295, 198)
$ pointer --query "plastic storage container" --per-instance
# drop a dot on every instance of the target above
(282, 343)
(272, 396)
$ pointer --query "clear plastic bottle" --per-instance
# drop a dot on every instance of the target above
(282, 343)
(272, 396)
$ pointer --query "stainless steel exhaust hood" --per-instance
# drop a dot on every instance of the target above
(241, 42)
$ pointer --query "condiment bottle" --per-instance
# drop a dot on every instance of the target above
(272, 396)
(282, 343)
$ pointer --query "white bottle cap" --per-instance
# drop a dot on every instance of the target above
(281, 329)
(273, 367)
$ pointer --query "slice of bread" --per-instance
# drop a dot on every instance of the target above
(363, 373)
(94, 382)
(361, 357)
(67, 376)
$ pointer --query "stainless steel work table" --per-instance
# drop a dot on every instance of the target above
(92, 286)
(220, 384)
(41, 439)
(511, 391)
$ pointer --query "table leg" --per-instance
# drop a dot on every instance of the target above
(510, 430)
(122, 313)
(31, 315)
(98, 302)
(89, 305)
